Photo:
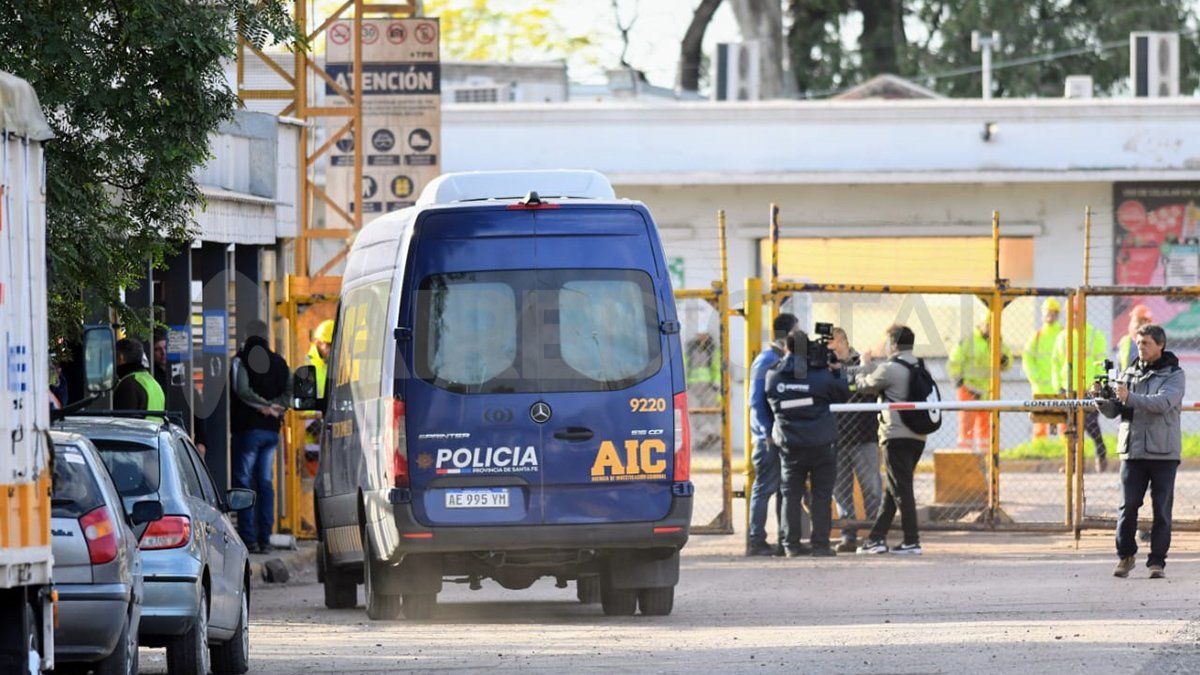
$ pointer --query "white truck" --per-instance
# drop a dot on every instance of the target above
(26, 595)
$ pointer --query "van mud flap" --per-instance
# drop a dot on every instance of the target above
(416, 573)
(654, 568)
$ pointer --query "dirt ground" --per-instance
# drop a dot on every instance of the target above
(976, 602)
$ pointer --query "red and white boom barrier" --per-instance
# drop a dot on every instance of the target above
(1032, 405)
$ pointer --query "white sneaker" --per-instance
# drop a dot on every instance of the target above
(872, 546)
(907, 549)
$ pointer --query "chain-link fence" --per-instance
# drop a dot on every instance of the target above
(704, 334)
(1113, 315)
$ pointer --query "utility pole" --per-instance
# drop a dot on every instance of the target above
(985, 43)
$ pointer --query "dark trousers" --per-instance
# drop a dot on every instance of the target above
(800, 465)
(1136, 476)
(1091, 426)
(901, 456)
(254, 469)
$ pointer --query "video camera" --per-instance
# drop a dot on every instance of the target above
(1104, 382)
(818, 353)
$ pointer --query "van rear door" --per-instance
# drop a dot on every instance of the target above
(474, 452)
(606, 368)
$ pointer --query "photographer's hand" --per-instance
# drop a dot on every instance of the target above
(1122, 392)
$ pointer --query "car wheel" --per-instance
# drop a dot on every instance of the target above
(232, 657)
(420, 606)
(587, 589)
(380, 606)
(618, 601)
(340, 592)
(188, 654)
(656, 601)
(124, 658)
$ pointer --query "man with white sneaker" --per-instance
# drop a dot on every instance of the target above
(1147, 398)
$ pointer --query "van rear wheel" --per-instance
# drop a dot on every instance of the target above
(341, 592)
(618, 601)
(420, 606)
(587, 589)
(656, 601)
(380, 606)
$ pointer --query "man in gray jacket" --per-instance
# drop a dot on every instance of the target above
(902, 447)
(1148, 398)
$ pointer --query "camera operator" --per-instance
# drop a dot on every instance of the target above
(800, 389)
(1147, 398)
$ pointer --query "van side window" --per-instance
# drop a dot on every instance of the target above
(362, 334)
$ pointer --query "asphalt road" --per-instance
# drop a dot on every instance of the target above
(994, 603)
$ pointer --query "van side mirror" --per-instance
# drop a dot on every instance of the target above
(99, 358)
(239, 499)
(304, 389)
(145, 512)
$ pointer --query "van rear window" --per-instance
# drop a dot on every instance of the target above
(537, 330)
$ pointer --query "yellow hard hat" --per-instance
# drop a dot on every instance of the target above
(1051, 304)
(324, 331)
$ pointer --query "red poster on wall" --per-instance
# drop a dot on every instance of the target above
(1156, 240)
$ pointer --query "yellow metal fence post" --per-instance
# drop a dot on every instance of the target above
(996, 345)
(752, 312)
(726, 384)
(1069, 459)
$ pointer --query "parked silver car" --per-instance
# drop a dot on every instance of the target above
(97, 567)
(197, 571)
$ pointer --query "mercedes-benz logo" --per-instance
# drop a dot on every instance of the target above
(540, 412)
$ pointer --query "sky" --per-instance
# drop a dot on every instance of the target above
(654, 38)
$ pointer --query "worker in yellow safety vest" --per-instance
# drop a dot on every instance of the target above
(136, 387)
(970, 366)
(318, 353)
(1038, 358)
(1127, 352)
(1096, 349)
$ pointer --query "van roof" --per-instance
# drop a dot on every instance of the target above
(501, 185)
(478, 188)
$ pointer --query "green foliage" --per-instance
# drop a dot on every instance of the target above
(1041, 27)
(132, 90)
(1089, 36)
(1054, 449)
(484, 30)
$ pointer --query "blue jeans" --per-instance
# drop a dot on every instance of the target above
(766, 485)
(254, 468)
(1136, 476)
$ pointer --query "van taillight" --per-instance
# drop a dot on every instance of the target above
(101, 535)
(166, 532)
(683, 439)
(399, 446)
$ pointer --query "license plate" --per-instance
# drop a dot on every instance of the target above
(477, 499)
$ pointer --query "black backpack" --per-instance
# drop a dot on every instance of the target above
(921, 388)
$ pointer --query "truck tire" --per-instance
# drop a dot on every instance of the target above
(657, 601)
(618, 601)
(380, 606)
(587, 589)
(341, 592)
(232, 657)
(188, 654)
(420, 606)
(124, 657)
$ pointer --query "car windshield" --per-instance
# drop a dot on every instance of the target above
(75, 488)
(132, 465)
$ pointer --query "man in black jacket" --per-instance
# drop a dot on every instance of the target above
(806, 432)
(858, 452)
(262, 391)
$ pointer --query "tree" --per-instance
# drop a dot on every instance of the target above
(1081, 37)
(691, 47)
(762, 21)
(882, 41)
(482, 30)
(132, 89)
(819, 61)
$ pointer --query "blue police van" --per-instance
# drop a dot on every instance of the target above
(504, 400)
